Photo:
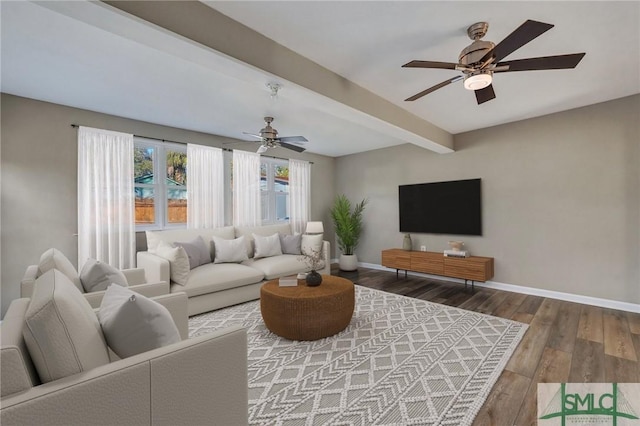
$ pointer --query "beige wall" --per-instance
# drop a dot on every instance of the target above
(38, 178)
(561, 205)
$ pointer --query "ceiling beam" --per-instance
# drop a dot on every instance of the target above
(208, 27)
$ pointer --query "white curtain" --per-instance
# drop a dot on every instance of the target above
(205, 187)
(299, 194)
(246, 189)
(106, 224)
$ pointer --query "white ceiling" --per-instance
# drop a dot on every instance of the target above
(89, 56)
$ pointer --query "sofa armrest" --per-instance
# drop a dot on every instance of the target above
(176, 304)
(135, 276)
(28, 281)
(148, 289)
(155, 268)
(191, 382)
(326, 255)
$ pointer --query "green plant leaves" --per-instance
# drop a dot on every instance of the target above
(347, 223)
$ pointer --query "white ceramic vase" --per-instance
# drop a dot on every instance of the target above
(348, 262)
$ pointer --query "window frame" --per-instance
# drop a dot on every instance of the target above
(271, 193)
(159, 187)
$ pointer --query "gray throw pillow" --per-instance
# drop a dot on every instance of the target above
(97, 276)
(133, 323)
(197, 251)
(291, 244)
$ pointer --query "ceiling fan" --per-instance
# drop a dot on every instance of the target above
(481, 59)
(269, 138)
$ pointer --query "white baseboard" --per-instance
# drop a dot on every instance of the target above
(586, 300)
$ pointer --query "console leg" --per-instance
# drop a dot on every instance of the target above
(405, 274)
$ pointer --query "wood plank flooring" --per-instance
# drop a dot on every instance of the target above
(565, 342)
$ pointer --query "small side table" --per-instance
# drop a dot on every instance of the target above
(307, 313)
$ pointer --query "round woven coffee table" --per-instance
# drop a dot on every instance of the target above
(307, 313)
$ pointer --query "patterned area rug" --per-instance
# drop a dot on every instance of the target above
(401, 361)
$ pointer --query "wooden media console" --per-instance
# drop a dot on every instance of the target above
(473, 268)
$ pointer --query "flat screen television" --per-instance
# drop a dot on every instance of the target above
(453, 207)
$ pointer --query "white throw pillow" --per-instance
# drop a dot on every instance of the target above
(61, 330)
(311, 243)
(55, 259)
(133, 323)
(197, 251)
(178, 261)
(267, 246)
(97, 276)
(291, 244)
(230, 251)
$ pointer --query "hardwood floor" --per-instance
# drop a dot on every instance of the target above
(565, 342)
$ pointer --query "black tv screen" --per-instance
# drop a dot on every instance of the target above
(453, 207)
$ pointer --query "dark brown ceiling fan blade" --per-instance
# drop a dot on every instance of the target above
(295, 148)
(518, 38)
(433, 88)
(485, 94)
(293, 139)
(543, 63)
(432, 64)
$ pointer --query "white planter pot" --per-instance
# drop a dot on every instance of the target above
(348, 262)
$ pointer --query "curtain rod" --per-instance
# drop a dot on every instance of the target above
(75, 126)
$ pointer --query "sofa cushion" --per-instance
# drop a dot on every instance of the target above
(133, 323)
(217, 277)
(265, 231)
(172, 235)
(291, 244)
(229, 251)
(311, 244)
(55, 259)
(197, 251)
(279, 266)
(178, 262)
(97, 276)
(61, 331)
(267, 246)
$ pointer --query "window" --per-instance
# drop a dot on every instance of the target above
(160, 184)
(274, 186)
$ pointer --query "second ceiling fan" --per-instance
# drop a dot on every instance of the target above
(481, 59)
(269, 138)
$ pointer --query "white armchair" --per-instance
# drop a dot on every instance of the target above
(136, 280)
(195, 381)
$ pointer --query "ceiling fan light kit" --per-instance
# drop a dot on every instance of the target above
(478, 81)
(481, 59)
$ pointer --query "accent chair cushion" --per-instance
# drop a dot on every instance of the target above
(291, 244)
(230, 251)
(267, 246)
(97, 276)
(178, 262)
(55, 259)
(62, 333)
(133, 323)
(197, 251)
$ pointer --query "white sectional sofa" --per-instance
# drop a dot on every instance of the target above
(194, 381)
(215, 285)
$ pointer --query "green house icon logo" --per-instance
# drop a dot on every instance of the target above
(589, 405)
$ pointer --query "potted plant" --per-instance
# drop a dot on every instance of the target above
(348, 227)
